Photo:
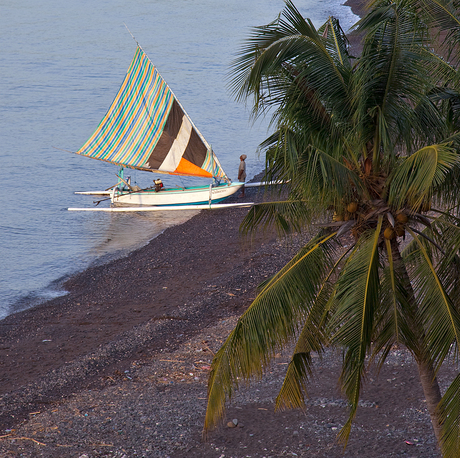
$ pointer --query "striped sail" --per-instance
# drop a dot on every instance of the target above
(146, 128)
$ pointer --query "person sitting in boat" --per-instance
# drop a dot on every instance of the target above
(158, 185)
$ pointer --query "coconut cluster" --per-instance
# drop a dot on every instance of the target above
(351, 209)
(366, 214)
(399, 229)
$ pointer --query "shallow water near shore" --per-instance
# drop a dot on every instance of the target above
(61, 65)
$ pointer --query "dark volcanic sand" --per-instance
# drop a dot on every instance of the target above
(118, 367)
(157, 283)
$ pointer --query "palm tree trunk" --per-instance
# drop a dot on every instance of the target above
(432, 394)
(426, 371)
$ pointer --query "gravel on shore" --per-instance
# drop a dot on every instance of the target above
(142, 392)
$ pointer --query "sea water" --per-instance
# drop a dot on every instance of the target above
(61, 64)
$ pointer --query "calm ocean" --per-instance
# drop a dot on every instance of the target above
(61, 64)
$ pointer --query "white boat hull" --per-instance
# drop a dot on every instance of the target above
(175, 196)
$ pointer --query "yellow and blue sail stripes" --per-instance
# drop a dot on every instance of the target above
(145, 128)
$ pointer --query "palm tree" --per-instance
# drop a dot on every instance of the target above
(369, 148)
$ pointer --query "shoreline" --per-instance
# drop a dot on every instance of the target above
(118, 366)
(358, 7)
(109, 305)
(56, 287)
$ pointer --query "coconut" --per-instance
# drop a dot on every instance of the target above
(402, 218)
(389, 233)
(352, 207)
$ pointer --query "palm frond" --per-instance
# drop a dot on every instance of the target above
(287, 64)
(418, 175)
(312, 338)
(396, 319)
(374, 17)
(449, 415)
(285, 216)
(394, 76)
(356, 298)
(337, 42)
(446, 229)
(328, 175)
(388, 321)
(439, 316)
(443, 15)
(316, 171)
(448, 192)
(268, 324)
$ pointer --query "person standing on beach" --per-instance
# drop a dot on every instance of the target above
(242, 172)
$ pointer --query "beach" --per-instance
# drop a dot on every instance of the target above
(118, 367)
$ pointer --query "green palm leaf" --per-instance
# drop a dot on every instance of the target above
(447, 193)
(388, 315)
(443, 15)
(449, 412)
(270, 321)
(396, 320)
(439, 316)
(285, 216)
(357, 297)
(312, 338)
(311, 157)
(328, 176)
(420, 174)
(337, 42)
(447, 231)
(288, 64)
(395, 74)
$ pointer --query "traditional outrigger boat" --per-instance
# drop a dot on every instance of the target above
(146, 128)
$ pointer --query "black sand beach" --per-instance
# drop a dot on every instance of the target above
(118, 367)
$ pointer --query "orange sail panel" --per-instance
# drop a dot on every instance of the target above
(146, 128)
(187, 168)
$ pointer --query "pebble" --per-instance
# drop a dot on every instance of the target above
(233, 423)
